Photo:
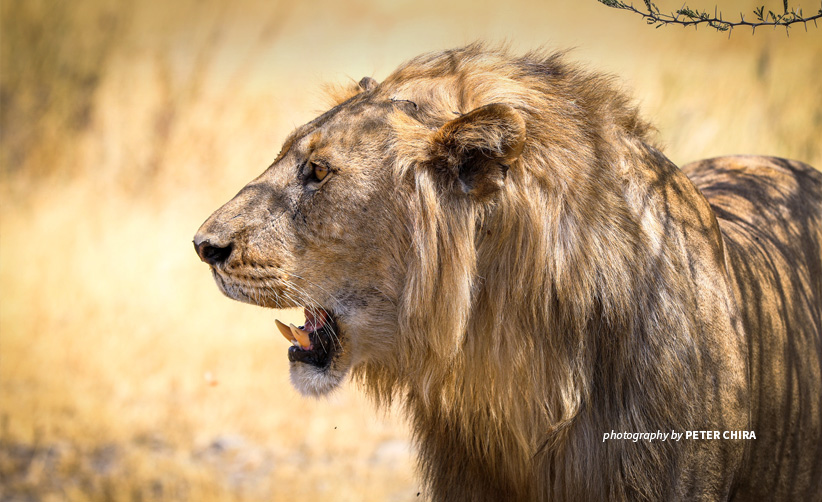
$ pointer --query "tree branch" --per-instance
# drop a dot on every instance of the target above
(686, 16)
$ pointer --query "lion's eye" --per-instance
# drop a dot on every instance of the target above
(319, 171)
(316, 174)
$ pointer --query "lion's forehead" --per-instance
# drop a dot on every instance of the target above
(348, 129)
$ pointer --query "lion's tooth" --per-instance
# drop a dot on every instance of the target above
(285, 331)
(301, 336)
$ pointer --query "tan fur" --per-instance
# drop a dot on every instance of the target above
(507, 254)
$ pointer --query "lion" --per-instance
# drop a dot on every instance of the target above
(493, 241)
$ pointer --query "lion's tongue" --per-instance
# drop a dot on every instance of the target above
(314, 320)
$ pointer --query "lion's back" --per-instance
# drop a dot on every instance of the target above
(770, 214)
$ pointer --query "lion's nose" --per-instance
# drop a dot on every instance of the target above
(211, 253)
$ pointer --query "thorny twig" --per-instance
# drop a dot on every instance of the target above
(685, 16)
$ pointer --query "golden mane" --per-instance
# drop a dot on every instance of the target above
(503, 303)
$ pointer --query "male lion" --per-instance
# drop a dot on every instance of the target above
(493, 241)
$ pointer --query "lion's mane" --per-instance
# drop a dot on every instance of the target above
(587, 295)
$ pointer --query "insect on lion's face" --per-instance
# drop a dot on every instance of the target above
(310, 232)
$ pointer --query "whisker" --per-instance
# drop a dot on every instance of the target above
(263, 290)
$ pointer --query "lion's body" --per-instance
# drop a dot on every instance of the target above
(501, 248)
(771, 221)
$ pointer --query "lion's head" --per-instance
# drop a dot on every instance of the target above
(323, 229)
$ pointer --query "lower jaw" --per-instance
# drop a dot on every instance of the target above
(314, 381)
(315, 378)
(299, 356)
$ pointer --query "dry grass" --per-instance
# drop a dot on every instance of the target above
(124, 375)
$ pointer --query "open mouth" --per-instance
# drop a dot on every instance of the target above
(315, 342)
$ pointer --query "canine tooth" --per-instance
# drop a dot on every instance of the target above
(301, 336)
(285, 331)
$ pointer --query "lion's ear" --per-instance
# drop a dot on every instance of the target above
(473, 152)
(367, 84)
(339, 93)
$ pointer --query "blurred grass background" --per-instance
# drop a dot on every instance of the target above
(124, 374)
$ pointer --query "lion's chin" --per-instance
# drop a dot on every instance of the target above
(312, 381)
